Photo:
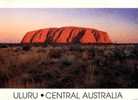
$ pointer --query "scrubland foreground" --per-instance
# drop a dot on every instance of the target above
(74, 66)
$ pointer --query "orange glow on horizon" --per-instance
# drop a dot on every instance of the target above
(16, 22)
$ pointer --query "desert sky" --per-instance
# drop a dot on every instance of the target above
(120, 23)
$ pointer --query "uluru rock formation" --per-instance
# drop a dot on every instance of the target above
(66, 35)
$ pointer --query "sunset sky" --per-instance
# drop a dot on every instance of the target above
(121, 24)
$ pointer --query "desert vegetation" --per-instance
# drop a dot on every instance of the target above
(73, 66)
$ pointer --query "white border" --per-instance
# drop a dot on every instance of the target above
(128, 94)
(69, 3)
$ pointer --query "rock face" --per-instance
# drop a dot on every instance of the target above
(66, 35)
